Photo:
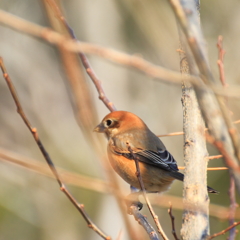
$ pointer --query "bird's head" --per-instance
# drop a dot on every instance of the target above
(119, 121)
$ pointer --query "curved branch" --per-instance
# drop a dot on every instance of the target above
(134, 61)
(63, 188)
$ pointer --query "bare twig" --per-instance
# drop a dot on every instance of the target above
(231, 191)
(120, 234)
(214, 157)
(223, 232)
(85, 62)
(144, 223)
(236, 122)
(101, 186)
(220, 124)
(228, 158)
(84, 109)
(232, 209)
(209, 169)
(231, 128)
(155, 217)
(97, 83)
(80, 207)
(182, 133)
(66, 176)
(171, 134)
(221, 53)
(55, 7)
(172, 221)
(134, 61)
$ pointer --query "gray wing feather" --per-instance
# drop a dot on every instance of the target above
(162, 159)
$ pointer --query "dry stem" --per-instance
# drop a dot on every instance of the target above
(172, 221)
(223, 231)
(101, 186)
(85, 61)
(231, 191)
(155, 217)
(134, 61)
(80, 207)
(220, 124)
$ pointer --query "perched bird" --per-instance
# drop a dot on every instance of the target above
(129, 138)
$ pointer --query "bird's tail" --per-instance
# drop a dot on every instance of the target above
(211, 190)
(180, 176)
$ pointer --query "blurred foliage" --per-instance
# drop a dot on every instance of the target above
(32, 206)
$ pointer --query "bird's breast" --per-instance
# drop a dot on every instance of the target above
(154, 179)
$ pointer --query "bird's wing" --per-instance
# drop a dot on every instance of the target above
(155, 152)
(162, 159)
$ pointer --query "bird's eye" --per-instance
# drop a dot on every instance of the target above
(108, 122)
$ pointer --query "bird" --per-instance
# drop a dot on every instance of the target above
(130, 138)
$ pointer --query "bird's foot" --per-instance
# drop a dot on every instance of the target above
(131, 204)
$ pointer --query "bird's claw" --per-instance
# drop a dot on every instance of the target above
(138, 204)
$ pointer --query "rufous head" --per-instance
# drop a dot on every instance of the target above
(118, 121)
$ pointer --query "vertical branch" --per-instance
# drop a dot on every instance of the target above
(172, 221)
(84, 60)
(212, 107)
(221, 53)
(195, 223)
(231, 191)
(138, 174)
(232, 210)
(85, 110)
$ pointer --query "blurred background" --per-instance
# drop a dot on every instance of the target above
(31, 204)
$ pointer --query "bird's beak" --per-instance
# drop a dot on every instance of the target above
(99, 128)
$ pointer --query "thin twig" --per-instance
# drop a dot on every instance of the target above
(138, 174)
(85, 61)
(182, 133)
(97, 83)
(209, 169)
(85, 111)
(220, 125)
(172, 221)
(221, 53)
(101, 186)
(223, 231)
(80, 207)
(120, 234)
(232, 209)
(228, 159)
(134, 61)
(144, 223)
(215, 157)
(171, 134)
(231, 191)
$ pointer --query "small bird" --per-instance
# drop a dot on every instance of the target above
(129, 138)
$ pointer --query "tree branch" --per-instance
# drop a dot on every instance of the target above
(101, 186)
(138, 174)
(231, 191)
(144, 223)
(172, 221)
(85, 62)
(80, 207)
(213, 109)
(134, 61)
(195, 223)
(223, 232)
